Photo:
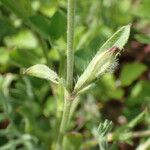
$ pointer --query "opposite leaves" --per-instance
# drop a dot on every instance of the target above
(105, 59)
(44, 72)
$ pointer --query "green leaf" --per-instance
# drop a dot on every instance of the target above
(53, 28)
(119, 39)
(42, 71)
(131, 72)
(143, 9)
(109, 87)
(136, 120)
(19, 57)
(23, 39)
(105, 59)
(6, 27)
(4, 57)
(104, 128)
(139, 94)
(41, 24)
(21, 8)
(101, 134)
(145, 39)
(58, 25)
(123, 133)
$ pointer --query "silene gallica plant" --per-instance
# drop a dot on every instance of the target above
(105, 60)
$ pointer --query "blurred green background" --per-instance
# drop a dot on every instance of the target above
(34, 32)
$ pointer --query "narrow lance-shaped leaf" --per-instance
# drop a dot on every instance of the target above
(105, 59)
(44, 72)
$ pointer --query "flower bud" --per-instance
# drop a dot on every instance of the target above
(99, 65)
(105, 59)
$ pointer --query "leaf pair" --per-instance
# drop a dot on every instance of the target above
(103, 61)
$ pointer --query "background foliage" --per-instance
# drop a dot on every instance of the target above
(33, 32)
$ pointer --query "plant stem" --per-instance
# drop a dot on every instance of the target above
(74, 106)
(64, 124)
(135, 134)
(45, 51)
(141, 133)
(70, 64)
(70, 50)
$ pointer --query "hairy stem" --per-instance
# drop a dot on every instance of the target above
(70, 64)
(70, 50)
(74, 106)
(64, 124)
